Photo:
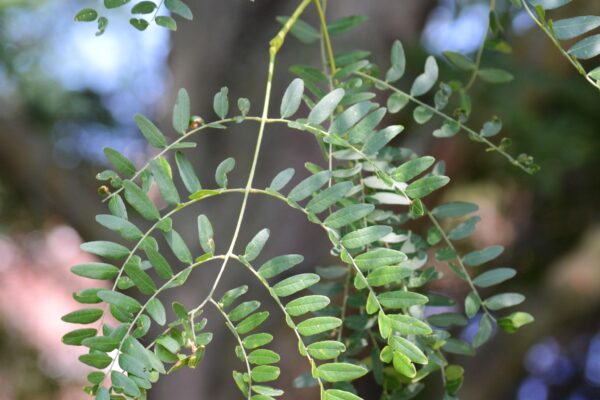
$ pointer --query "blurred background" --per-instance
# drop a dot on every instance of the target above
(65, 94)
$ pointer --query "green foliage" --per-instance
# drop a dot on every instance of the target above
(371, 313)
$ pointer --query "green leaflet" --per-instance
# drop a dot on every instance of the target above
(99, 271)
(166, 22)
(294, 284)
(409, 349)
(181, 109)
(157, 311)
(281, 179)
(306, 304)
(425, 186)
(350, 117)
(138, 199)
(178, 246)
(143, 7)
(365, 236)
(255, 246)
(127, 230)
(586, 48)
(264, 373)
(338, 372)
(105, 249)
(121, 163)
(326, 350)
(504, 300)
(101, 343)
(348, 215)
(292, 98)
(336, 394)
(96, 359)
(514, 321)
(359, 132)
(345, 24)
(401, 299)
(152, 134)
(550, 4)
(397, 102)
(263, 357)
(221, 103)
(83, 316)
(244, 309)
(464, 229)
(205, 233)
(460, 61)
(180, 8)
(407, 325)
(124, 382)
(309, 185)
(412, 168)
(403, 365)
(252, 322)
(160, 264)
(328, 197)
(316, 325)
(86, 15)
(126, 303)
(455, 209)
(325, 107)
(186, 171)
(427, 79)
(494, 277)
(484, 333)
(115, 3)
(231, 295)
(378, 258)
(483, 256)
(140, 278)
(225, 167)
(495, 75)
(164, 182)
(398, 63)
(570, 28)
(388, 275)
(257, 340)
(74, 338)
(378, 140)
(277, 265)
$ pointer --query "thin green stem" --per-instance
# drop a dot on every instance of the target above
(476, 136)
(479, 56)
(237, 337)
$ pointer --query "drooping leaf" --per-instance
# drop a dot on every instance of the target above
(138, 199)
(427, 79)
(186, 171)
(164, 182)
(181, 110)
(225, 167)
(398, 63)
(205, 233)
(152, 134)
(256, 245)
(178, 246)
(221, 103)
(292, 98)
